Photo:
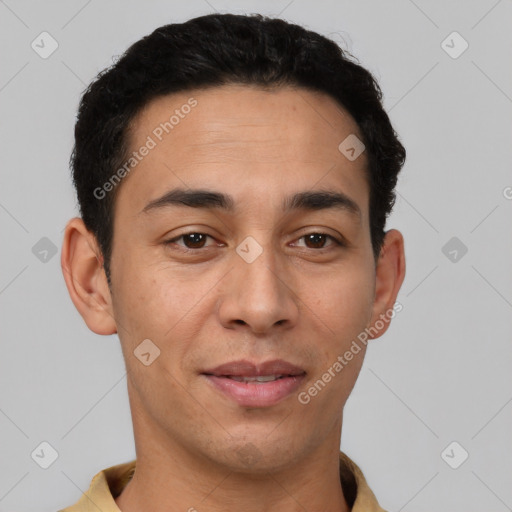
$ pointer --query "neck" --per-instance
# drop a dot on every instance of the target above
(171, 476)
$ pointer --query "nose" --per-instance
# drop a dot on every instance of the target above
(259, 295)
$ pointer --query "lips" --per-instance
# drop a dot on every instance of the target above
(256, 385)
(244, 368)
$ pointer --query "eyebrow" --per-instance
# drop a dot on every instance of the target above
(208, 199)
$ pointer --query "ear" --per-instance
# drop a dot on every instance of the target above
(86, 281)
(389, 275)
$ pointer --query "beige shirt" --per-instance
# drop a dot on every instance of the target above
(109, 483)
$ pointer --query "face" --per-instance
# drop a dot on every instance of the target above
(243, 273)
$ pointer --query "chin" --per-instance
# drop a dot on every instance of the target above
(258, 457)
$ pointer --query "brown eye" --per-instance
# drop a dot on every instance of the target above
(194, 240)
(318, 240)
(191, 241)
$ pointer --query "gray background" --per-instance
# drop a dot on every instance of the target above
(442, 371)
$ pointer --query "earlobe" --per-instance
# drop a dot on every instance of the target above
(390, 273)
(85, 278)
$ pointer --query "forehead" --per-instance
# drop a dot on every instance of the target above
(243, 136)
(241, 112)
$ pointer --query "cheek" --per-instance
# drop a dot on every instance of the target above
(344, 300)
(157, 302)
(137, 300)
(342, 310)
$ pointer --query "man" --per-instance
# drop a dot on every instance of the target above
(234, 175)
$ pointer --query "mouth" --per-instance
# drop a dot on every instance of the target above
(262, 378)
(256, 385)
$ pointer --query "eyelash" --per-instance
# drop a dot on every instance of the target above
(337, 242)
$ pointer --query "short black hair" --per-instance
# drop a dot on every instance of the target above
(216, 50)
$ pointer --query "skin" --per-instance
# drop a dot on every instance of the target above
(296, 301)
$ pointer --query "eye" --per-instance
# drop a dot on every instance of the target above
(318, 240)
(192, 240)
